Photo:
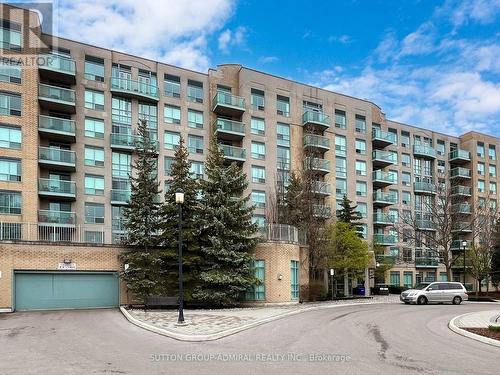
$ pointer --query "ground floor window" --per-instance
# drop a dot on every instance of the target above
(431, 277)
(295, 279)
(408, 279)
(257, 292)
(443, 276)
(395, 278)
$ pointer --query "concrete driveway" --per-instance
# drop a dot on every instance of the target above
(374, 339)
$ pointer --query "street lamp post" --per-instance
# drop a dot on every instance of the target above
(179, 199)
(464, 245)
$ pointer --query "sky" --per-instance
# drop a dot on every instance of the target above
(429, 63)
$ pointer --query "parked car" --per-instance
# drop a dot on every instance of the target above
(437, 292)
(382, 289)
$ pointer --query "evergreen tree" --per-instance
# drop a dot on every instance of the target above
(347, 213)
(293, 203)
(182, 180)
(495, 259)
(227, 233)
(141, 220)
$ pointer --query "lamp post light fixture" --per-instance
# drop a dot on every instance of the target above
(179, 199)
(464, 245)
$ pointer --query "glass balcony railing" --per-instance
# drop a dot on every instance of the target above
(384, 157)
(225, 125)
(385, 258)
(457, 245)
(58, 63)
(383, 136)
(461, 190)
(322, 211)
(387, 198)
(316, 141)
(135, 87)
(424, 150)
(223, 98)
(384, 239)
(383, 218)
(56, 217)
(322, 188)
(424, 187)
(461, 208)
(459, 155)
(317, 164)
(56, 155)
(460, 172)
(461, 226)
(233, 152)
(426, 262)
(383, 177)
(56, 125)
(425, 224)
(55, 186)
(55, 93)
(118, 195)
(314, 117)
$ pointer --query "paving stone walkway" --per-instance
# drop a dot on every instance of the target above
(206, 322)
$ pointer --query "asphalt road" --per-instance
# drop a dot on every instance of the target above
(374, 339)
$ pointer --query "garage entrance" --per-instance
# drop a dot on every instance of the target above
(65, 290)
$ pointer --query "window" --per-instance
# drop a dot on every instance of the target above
(257, 292)
(492, 170)
(94, 156)
(167, 165)
(258, 174)
(172, 86)
(405, 139)
(480, 186)
(121, 111)
(406, 178)
(283, 134)
(294, 279)
(10, 72)
(408, 278)
(394, 156)
(340, 188)
(393, 175)
(360, 124)
(441, 167)
(340, 145)
(257, 99)
(406, 160)
(395, 194)
(197, 169)
(394, 278)
(10, 169)
(362, 209)
(94, 68)
(360, 147)
(440, 147)
(480, 149)
(480, 169)
(94, 100)
(94, 185)
(258, 150)
(10, 35)
(259, 198)
(394, 214)
(340, 119)
(149, 113)
(172, 114)
(195, 144)
(394, 133)
(492, 153)
(406, 198)
(362, 231)
(493, 188)
(360, 168)
(361, 188)
(171, 140)
(195, 119)
(10, 104)
(10, 202)
(94, 213)
(195, 91)
(257, 126)
(283, 158)
(10, 137)
(121, 164)
(283, 105)
(259, 220)
(340, 167)
(94, 127)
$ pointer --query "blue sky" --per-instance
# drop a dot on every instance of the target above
(434, 64)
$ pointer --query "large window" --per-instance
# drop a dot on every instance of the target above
(149, 113)
(361, 168)
(10, 72)
(197, 169)
(94, 156)
(195, 144)
(340, 119)
(10, 137)
(172, 86)
(283, 106)
(10, 35)
(283, 158)
(94, 213)
(257, 99)
(257, 126)
(340, 167)
(10, 202)
(10, 104)
(94, 68)
(492, 154)
(258, 198)
(360, 146)
(283, 134)
(121, 164)
(94, 127)
(94, 100)
(294, 279)
(480, 149)
(340, 188)
(94, 185)
(195, 119)
(340, 145)
(10, 169)
(195, 91)
(121, 111)
(171, 140)
(258, 174)
(360, 124)
(258, 150)
(361, 188)
(167, 165)
(394, 280)
(257, 292)
(172, 114)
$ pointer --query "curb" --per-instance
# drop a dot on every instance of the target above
(486, 340)
(232, 331)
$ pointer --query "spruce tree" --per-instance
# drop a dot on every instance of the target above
(227, 233)
(182, 180)
(348, 213)
(295, 211)
(141, 220)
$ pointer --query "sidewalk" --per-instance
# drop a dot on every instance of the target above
(481, 319)
(204, 325)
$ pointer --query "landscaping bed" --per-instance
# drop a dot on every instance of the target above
(485, 332)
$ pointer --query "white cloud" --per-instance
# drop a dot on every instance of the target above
(232, 38)
(464, 11)
(268, 59)
(169, 30)
(343, 39)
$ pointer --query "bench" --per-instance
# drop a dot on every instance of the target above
(162, 301)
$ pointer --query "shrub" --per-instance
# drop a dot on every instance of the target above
(494, 327)
(317, 291)
(396, 289)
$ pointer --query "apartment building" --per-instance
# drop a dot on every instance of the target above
(67, 133)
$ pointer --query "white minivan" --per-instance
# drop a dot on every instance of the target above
(437, 292)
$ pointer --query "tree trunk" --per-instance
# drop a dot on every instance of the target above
(448, 272)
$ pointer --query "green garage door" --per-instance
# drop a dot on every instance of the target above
(46, 291)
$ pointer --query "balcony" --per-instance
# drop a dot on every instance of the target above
(384, 239)
(57, 68)
(228, 129)
(56, 98)
(383, 158)
(456, 245)
(57, 128)
(120, 197)
(321, 188)
(422, 187)
(227, 104)
(459, 156)
(128, 142)
(56, 218)
(381, 178)
(384, 199)
(462, 191)
(461, 208)
(56, 158)
(317, 165)
(233, 153)
(425, 224)
(133, 89)
(426, 262)
(380, 218)
(385, 258)
(316, 143)
(53, 188)
(322, 211)
(316, 119)
(460, 172)
(424, 151)
(382, 138)
(461, 227)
